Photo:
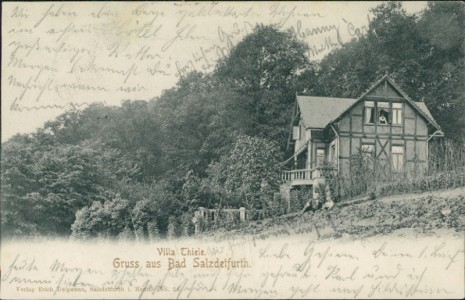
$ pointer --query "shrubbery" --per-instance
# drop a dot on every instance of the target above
(446, 170)
(110, 219)
(247, 176)
(439, 181)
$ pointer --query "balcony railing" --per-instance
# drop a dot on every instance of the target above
(296, 175)
(301, 177)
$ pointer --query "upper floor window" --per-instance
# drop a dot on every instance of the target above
(383, 115)
(369, 112)
(397, 113)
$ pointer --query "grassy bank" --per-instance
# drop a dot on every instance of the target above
(424, 213)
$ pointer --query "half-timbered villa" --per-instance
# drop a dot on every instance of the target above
(383, 122)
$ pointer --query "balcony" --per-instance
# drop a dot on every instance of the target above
(301, 177)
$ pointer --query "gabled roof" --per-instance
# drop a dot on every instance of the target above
(317, 112)
(414, 104)
(422, 106)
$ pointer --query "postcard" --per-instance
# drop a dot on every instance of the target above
(232, 150)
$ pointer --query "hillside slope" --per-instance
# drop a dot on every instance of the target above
(424, 213)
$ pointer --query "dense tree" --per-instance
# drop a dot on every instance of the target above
(110, 219)
(198, 123)
(424, 54)
(43, 187)
(131, 129)
(442, 26)
(266, 59)
(157, 202)
(264, 68)
(248, 172)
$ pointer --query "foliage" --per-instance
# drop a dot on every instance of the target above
(224, 222)
(424, 54)
(446, 155)
(186, 225)
(131, 129)
(264, 69)
(424, 213)
(266, 59)
(195, 191)
(248, 176)
(216, 140)
(154, 204)
(109, 219)
(446, 170)
(172, 228)
(299, 197)
(438, 181)
(55, 181)
(154, 233)
(196, 124)
(442, 26)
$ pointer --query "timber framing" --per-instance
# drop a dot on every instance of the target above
(383, 120)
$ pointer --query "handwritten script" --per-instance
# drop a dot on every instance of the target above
(57, 56)
(294, 266)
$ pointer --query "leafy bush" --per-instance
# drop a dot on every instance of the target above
(109, 219)
(154, 233)
(299, 198)
(248, 176)
(438, 181)
(153, 203)
(446, 170)
(56, 181)
(172, 228)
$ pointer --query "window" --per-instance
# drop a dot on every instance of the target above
(397, 154)
(369, 112)
(296, 132)
(397, 113)
(383, 113)
(320, 156)
(383, 116)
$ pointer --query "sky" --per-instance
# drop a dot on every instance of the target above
(59, 56)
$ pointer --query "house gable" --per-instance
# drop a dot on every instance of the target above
(386, 89)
